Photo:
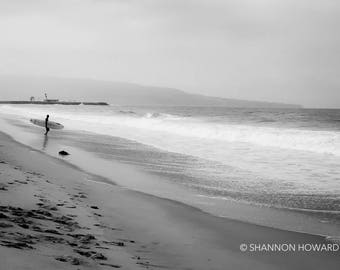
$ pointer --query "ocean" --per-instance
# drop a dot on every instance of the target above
(272, 167)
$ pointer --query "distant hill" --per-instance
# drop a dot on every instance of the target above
(66, 89)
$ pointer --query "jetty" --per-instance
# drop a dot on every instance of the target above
(53, 103)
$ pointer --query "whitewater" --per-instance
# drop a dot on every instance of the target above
(105, 120)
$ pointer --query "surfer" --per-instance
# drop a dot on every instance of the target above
(46, 124)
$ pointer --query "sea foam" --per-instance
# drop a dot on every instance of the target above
(154, 125)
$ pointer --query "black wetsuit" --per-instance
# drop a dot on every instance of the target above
(47, 128)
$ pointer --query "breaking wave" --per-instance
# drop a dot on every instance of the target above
(159, 125)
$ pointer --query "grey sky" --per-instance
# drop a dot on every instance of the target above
(274, 50)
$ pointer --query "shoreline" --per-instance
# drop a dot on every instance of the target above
(84, 157)
(106, 181)
(173, 235)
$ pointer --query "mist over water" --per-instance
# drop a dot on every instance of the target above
(271, 157)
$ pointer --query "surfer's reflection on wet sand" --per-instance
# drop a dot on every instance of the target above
(45, 142)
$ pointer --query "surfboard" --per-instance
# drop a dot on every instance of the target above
(50, 124)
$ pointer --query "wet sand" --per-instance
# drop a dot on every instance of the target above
(55, 216)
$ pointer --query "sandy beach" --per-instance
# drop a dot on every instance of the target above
(180, 135)
(55, 216)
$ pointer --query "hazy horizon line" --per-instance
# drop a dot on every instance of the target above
(35, 76)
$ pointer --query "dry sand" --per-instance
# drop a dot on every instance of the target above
(55, 216)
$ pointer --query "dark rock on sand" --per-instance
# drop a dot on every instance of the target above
(63, 153)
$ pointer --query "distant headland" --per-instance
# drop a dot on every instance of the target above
(117, 93)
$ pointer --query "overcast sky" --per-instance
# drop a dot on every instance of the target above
(273, 50)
